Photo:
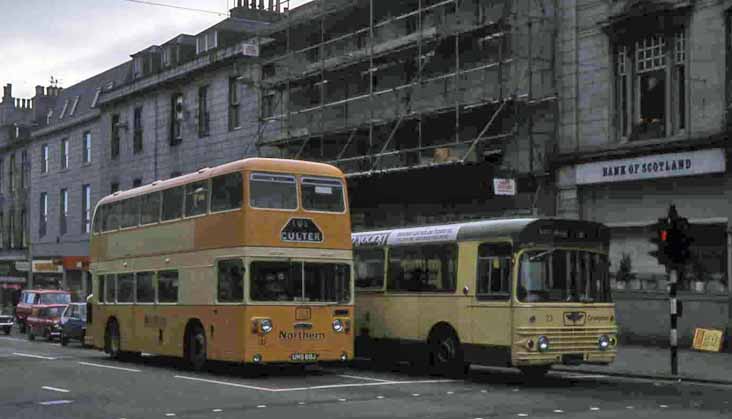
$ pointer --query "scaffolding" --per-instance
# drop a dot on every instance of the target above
(381, 86)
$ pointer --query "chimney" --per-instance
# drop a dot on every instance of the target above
(7, 92)
(261, 4)
(271, 6)
(253, 4)
(39, 91)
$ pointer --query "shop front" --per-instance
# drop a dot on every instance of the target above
(47, 274)
(12, 281)
(76, 276)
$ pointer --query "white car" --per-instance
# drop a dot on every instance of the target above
(6, 323)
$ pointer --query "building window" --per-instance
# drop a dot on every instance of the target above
(176, 119)
(203, 117)
(63, 212)
(2, 173)
(44, 158)
(65, 153)
(137, 183)
(86, 149)
(23, 228)
(11, 228)
(23, 169)
(73, 107)
(43, 214)
(86, 208)
(114, 187)
(3, 233)
(11, 175)
(114, 152)
(96, 98)
(234, 120)
(650, 90)
(137, 129)
(268, 105)
(207, 41)
(63, 110)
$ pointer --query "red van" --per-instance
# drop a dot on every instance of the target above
(31, 300)
(44, 321)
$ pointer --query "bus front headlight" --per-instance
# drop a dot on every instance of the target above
(265, 325)
(542, 343)
(603, 342)
(338, 325)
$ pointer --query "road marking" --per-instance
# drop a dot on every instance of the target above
(329, 386)
(628, 407)
(109, 366)
(662, 406)
(558, 411)
(523, 415)
(60, 390)
(223, 383)
(363, 378)
(50, 358)
(301, 403)
(54, 402)
(217, 410)
(585, 376)
(594, 408)
(261, 406)
(379, 397)
(15, 339)
(170, 414)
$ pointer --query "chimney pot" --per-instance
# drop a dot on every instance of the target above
(39, 91)
(261, 4)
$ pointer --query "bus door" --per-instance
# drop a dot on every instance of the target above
(146, 323)
(490, 311)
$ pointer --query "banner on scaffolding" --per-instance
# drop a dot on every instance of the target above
(504, 186)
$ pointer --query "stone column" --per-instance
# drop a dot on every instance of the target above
(568, 204)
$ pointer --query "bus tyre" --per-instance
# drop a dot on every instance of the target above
(446, 356)
(196, 347)
(535, 371)
(112, 340)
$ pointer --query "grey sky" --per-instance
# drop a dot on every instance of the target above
(72, 40)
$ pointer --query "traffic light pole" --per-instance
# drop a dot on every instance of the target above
(673, 335)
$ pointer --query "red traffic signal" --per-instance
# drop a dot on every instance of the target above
(664, 235)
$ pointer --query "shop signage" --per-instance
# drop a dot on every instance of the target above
(709, 340)
(250, 50)
(12, 280)
(371, 239)
(22, 266)
(46, 266)
(504, 186)
(650, 167)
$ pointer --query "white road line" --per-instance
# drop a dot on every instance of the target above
(109, 366)
(217, 410)
(363, 378)
(261, 406)
(50, 358)
(15, 339)
(329, 386)
(662, 406)
(585, 376)
(342, 400)
(379, 397)
(170, 414)
(558, 411)
(60, 390)
(523, 415)
(52, 402)
(594, 409)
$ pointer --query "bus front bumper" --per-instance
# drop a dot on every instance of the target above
(306, 357)
(521, 359)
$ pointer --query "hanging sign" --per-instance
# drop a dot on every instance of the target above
(504, 186)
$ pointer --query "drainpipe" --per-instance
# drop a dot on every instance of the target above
(729, 289)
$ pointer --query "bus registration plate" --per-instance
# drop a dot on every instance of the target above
(310, 356)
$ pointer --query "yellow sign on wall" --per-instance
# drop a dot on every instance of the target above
(709, 340)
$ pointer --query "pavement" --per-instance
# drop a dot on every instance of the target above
(42, 380)
(644, 361)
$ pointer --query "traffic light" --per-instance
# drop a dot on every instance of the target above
(678, 240)
(660, 239)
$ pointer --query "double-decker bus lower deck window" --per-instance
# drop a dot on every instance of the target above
(172, 203)
(327, 282)
(226, 192)
(168, 286)
(276, 281)
(125, 288)
(100, 284)
(231, 281)
(322, 194)
(423, 268)
(557, 275)
(145, 288)
(275, 191)
(196, 198)
(150, 208)
(369, 265)
(110, 289)
(494, 272)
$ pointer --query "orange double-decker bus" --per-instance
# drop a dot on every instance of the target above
(249, 262)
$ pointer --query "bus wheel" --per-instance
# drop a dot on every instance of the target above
(535, 371)
(446, 356)
(112, 340)
(196, 347)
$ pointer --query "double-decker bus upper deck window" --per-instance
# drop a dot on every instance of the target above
(327, 282)
(130, 212)
(226, 192)
(369, 264)
(110, 289)
(150, 208)
(125, 288)
(168, 286)
(276, 281)
(196, 198)
(322, 194)
(172, 203)
(145, 287)
(98, 217)
(111, 217)
(425, 268)
(269, 190)
(231, 281)
(557, 275)
(494, 271)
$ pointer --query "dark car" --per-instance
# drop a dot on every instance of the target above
(6, 322)
(44, 321)
(33, 299)
(73, 323)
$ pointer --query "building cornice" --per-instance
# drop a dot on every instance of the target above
(42, 132)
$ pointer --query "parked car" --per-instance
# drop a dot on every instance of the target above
(73, 323)
(44, 321)
(6, 322)
(31, 299)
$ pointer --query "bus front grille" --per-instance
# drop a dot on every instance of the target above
(569, 339)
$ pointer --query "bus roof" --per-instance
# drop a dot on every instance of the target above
(254, 163)
(523, 230)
